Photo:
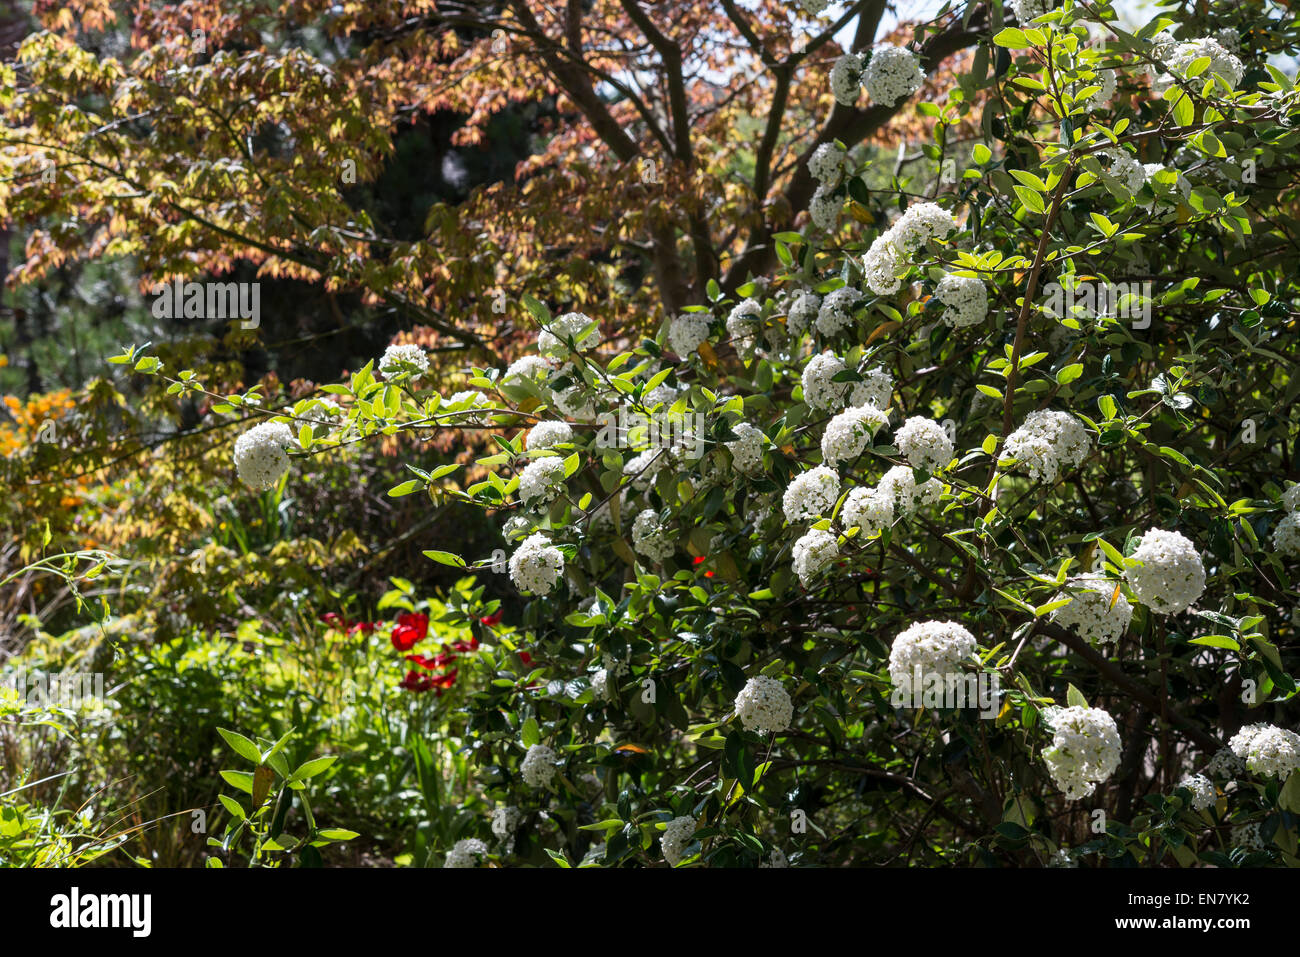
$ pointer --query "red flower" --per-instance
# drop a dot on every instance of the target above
(414, 681)
(462, 646)
(526, 658)
(409, 630)
(698, 560)
(333, 620)
(362, 628)
(492, 620)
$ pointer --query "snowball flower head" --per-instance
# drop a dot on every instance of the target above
(1090, 612)
(1049, 443)
(747, 450)
(551, 341)
(541, 480)
(849, 432)
(536, 565)
(965, 300)
(869, 510)
(1179, 56)
(803, 313)
(811, 494)
(1203, 792)
(1291, 498)
(545, 435)
(538, 766)
(1125, 168)
(935, 647)
(650, 537)
(396, 358)
(688, 332)
(813, 552)
(899, 486)
(677, 836)
(260, 456)
(1170, 577)
(836, 311)
(466, 853)
(536, 368)
(821, 392)
(824, 208)
(1085, 749)
(846, 79)
(891, 74)
(1286, 537)
(1026, 10)
(828, 164)
(1267, 749)
(763, 705)
(924, 443)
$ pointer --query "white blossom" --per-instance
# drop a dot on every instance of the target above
(687, 332)
(763, 705)
(1049, 443)
(811, 494)
(546, 435)
(747, 450)
(1178, 56)
(836, 312)
(1267, 749)
(924, 443)
(891, 74)
(466, 853)
(869, 510)
(846, 79)
(505, 821)
(965, 300)
(849, 432)
(538, 766)
(1286, 537)
(261, 456)
(551, 341)
(395, 358)
(828, 164)
(1169, 576)
(743, 325)
(934, 647)
(651, 538)
(1203, 791)
(676, 838)
(536, 565)
(821, 392)
(541, 480)
(1090, 612)
(1085, 749)
(812, 553)
(803, 313)
(824, 208)
(899, 486)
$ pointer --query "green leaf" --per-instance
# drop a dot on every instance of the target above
(531, 734)
(1069, 373)
(1074, 697)
(445, 558)
(337, 834)
(406, 488)
(241, 745)
(981, 154)
(243, 780)
(1013, 38)
(233, 807)
(1216, 641)
(313, 767)
(1029, 199)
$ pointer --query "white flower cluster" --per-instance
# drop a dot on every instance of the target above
(1179, 56)
(898, 485)
(868, 509)
(260, 454)
(1267, 749)
(466, 853)
(1203, 791)
(936, 647)
(396, 358)
(924, 443)
(889, 255)
(1286, 537)
(803, 313)
(1108, 80)
(1090, 612)
(688, 332)
(1049, 443)
(1126, 168)
(747, 450)
(536, 368)
(821, 392)
(551, 341)
(536, 565)
(547, 435)
(1247, 837)
(1026, 10)
(836, 311)
(812, 494)
(505, 821)
(846, 79)
(813, 552)
(828, 164)
(776, 859)
(1224, 764)
(1170, 576)
(892, 73)
(764, 705)
(847, 434)
(538, 766)
(650, 537)
(744, 324)
(965, 300)
(1085, 749)
(824, 209)
(677, 837)
(541, 480)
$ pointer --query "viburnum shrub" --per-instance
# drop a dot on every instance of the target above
(1025, 436)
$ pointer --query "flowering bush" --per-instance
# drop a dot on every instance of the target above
(898, 451)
